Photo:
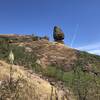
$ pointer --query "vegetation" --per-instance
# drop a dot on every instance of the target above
(21, 57)
(36, 38)
(84, 84)
(16, 88)
(91, 60)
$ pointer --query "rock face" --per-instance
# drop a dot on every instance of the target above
(32, 86)
(58, 35)
(53, 54)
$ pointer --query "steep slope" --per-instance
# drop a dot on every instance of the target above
(48, 53)
(61, 65)
(31, 85)
(61, 56)
(53, 54)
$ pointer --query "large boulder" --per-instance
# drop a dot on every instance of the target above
(58, 35)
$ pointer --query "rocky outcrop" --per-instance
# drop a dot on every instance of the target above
(58, 35)
(53, 54)
(32, 87)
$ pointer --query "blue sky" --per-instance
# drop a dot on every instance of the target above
(79, 20)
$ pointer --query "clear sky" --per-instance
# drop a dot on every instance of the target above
(79, 20)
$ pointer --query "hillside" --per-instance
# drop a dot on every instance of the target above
(30, 86)
(61, 65)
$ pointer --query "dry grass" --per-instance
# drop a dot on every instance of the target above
(32, 86)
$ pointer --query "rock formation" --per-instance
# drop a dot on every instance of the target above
(58, 35)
